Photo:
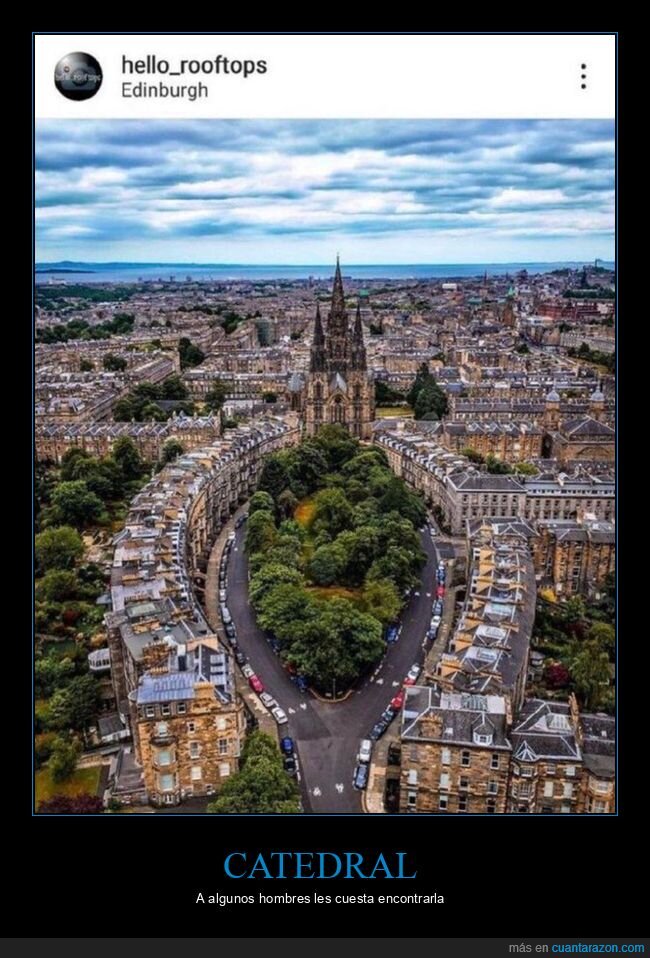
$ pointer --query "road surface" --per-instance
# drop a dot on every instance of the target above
(327, 735)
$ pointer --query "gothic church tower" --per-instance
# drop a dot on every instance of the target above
(339, 389)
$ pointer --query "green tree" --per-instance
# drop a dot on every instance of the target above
(189, 353)
(306, 467)
(261, 786)
(69, 461)
(284, 611)
(58, 547)
(113, 363)
(495, 466)
(327, 564)
(590, 671)
(269, 576)
(57, 585)
(332, 512)
(85, 366)
(216, 396)
(260, 532)
(274, 477)
(75, 505)
(64, 758)
(75, 706)
(171, 451)
(126, 456)
(398, 498)
(287, 503)
(337, 444)
(261, 502)
(603, 635)
(174, 388)
(381, 600)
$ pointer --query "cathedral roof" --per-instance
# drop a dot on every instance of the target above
(338, 382)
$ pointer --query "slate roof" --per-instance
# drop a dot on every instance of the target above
(544, 731)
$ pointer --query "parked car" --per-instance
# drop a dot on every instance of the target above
(365, 750)
(225, 615)
(441, 564)
(440, 591)
(435, 621)
(302, 683)
(275, 645)
(392, 634)
(231, 537)
(247, 671)
(255, 684)
(222, 596)
(232, 639)
(286, 745)
(290, 765)
(279, 715)
(378, 730)
(240, 658)
(397, 701)
(230, 629)
(388, 715)
(267, 699)
(414, 671)
(360, 777)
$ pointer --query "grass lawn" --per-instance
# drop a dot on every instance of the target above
(85, 781)
(384, 412)
(304, 511)
(335, 592)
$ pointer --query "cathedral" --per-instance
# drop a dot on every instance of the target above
(339, 388)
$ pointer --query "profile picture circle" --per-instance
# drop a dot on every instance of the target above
(78, 76)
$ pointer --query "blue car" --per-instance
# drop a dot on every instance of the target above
(392, 634)
(286, 746)
(302, 683)
(360, 778)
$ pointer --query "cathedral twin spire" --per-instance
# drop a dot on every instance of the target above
(339, 350)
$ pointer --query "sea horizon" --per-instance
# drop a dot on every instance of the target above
(130, 272)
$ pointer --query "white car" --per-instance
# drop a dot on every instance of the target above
(414, 671)
(231, 537)
(279, 716)
(267, 699)
(365, 750)
(222, 595)
(225, 615)
(435, 621)
(247, 671)
(441, 564)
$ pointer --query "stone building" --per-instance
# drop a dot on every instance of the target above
(546, 758)
(598, 784)
(455, 752)
(574, 557)
(339, 389)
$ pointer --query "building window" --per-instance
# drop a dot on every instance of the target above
(598, 807)
(445, 756)
(223, 746)
(548, 789)
(220, 723)
(444, 780)
(465, 759)
(164, 757)
(442, 804)
(493, 788)
(181, 708)
(195, 749)
(463, 783)
(165, 709)
(166, 783)
(191, 726)
(462, 803)
(224, 769)
(568, 790)
(550, 769)
(491, 806)
(565, 809)
(150, 711)
(495, 761)
(570, 771)
(411, 799)
(196, 773)
(161, 728)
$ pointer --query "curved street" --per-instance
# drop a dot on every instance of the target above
(327, 735)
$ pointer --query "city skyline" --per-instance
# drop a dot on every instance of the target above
(289, 192)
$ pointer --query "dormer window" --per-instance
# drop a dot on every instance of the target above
(481, 738)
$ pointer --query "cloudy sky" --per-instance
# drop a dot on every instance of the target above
(296, 192)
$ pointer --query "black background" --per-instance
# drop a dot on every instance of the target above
(499, 875)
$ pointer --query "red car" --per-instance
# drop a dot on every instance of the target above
(408, 681)
(397, 702)
(440, 591)
(255, 684)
